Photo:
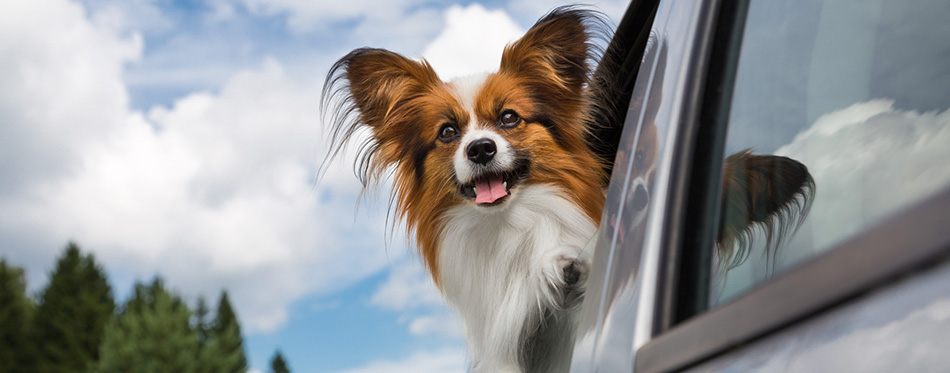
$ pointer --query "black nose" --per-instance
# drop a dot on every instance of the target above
(481, 151)
(640, 198)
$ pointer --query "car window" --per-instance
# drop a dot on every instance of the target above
(839, 118)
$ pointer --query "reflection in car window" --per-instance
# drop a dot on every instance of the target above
(856, 91)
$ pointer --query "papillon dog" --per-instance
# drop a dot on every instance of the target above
(494, 177)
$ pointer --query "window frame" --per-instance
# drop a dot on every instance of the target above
(904, 243)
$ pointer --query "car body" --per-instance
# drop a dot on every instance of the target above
(860, 91)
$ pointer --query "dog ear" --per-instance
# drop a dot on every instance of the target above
(554, 52)
(381, 83)
(383, 91)
(772, 191)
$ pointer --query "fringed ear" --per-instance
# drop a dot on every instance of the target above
(380, 90)
(556, 51)
(770, 191)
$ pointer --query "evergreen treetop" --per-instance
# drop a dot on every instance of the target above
(15, 311)
(153, 334)
(225, 342)
(73, 311)
(278, 364)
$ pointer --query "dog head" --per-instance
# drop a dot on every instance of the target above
(474, 141)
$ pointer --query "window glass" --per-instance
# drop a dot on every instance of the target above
(857, 92)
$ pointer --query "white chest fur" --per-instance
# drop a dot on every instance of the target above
(502, 270)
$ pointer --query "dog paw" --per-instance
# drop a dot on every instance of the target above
(564, 274)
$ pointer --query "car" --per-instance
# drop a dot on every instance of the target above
(857, 276)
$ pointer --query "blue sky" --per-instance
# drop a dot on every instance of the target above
(182, 138)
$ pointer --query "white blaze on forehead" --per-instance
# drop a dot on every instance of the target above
(466, 90)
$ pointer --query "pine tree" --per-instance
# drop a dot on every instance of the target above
(201, 321)
(202, 328)
(72, 313)
(225, 348)
(152, 334)
(15, 309)
(278, 364)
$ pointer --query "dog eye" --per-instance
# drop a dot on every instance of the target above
(638, 160)
(508, 118)
(448, 132)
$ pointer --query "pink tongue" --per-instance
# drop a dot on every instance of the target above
(488, 191)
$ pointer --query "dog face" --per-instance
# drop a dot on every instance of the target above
(643, 168)
(473, 141)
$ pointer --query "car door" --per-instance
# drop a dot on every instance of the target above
(858, 277)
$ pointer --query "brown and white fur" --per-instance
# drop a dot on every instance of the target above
(508, 258)
(494, 179)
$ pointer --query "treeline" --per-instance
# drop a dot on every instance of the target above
(74, 325)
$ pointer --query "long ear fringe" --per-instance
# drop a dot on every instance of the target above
(599, 88)
(596, 25)
(599, 30)
(778, 227)
(341, 121)
(602, 85)
(606, 92)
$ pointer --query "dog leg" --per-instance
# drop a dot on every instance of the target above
(563, 277)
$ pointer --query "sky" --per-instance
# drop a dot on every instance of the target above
(183, 138)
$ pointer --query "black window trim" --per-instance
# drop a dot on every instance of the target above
(903, 243)
(698, 161)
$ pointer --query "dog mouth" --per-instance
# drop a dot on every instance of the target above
(494, 188)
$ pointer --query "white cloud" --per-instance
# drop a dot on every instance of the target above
(411, 291)
(441, 361)
(306, 15)
(915, 343)
(214, 192)
(528, 11)
(402, 26)
(471, 42)
(868, 160)
(474, 37)
(128, 15)
(61, 86)
(443, 324)
(407, 287)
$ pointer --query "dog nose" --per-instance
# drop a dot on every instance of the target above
(640, 198)
(481, 151)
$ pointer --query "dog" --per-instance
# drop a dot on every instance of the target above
(495, 178)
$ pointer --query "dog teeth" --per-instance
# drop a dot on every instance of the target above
(505, 185)
(474, 190)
